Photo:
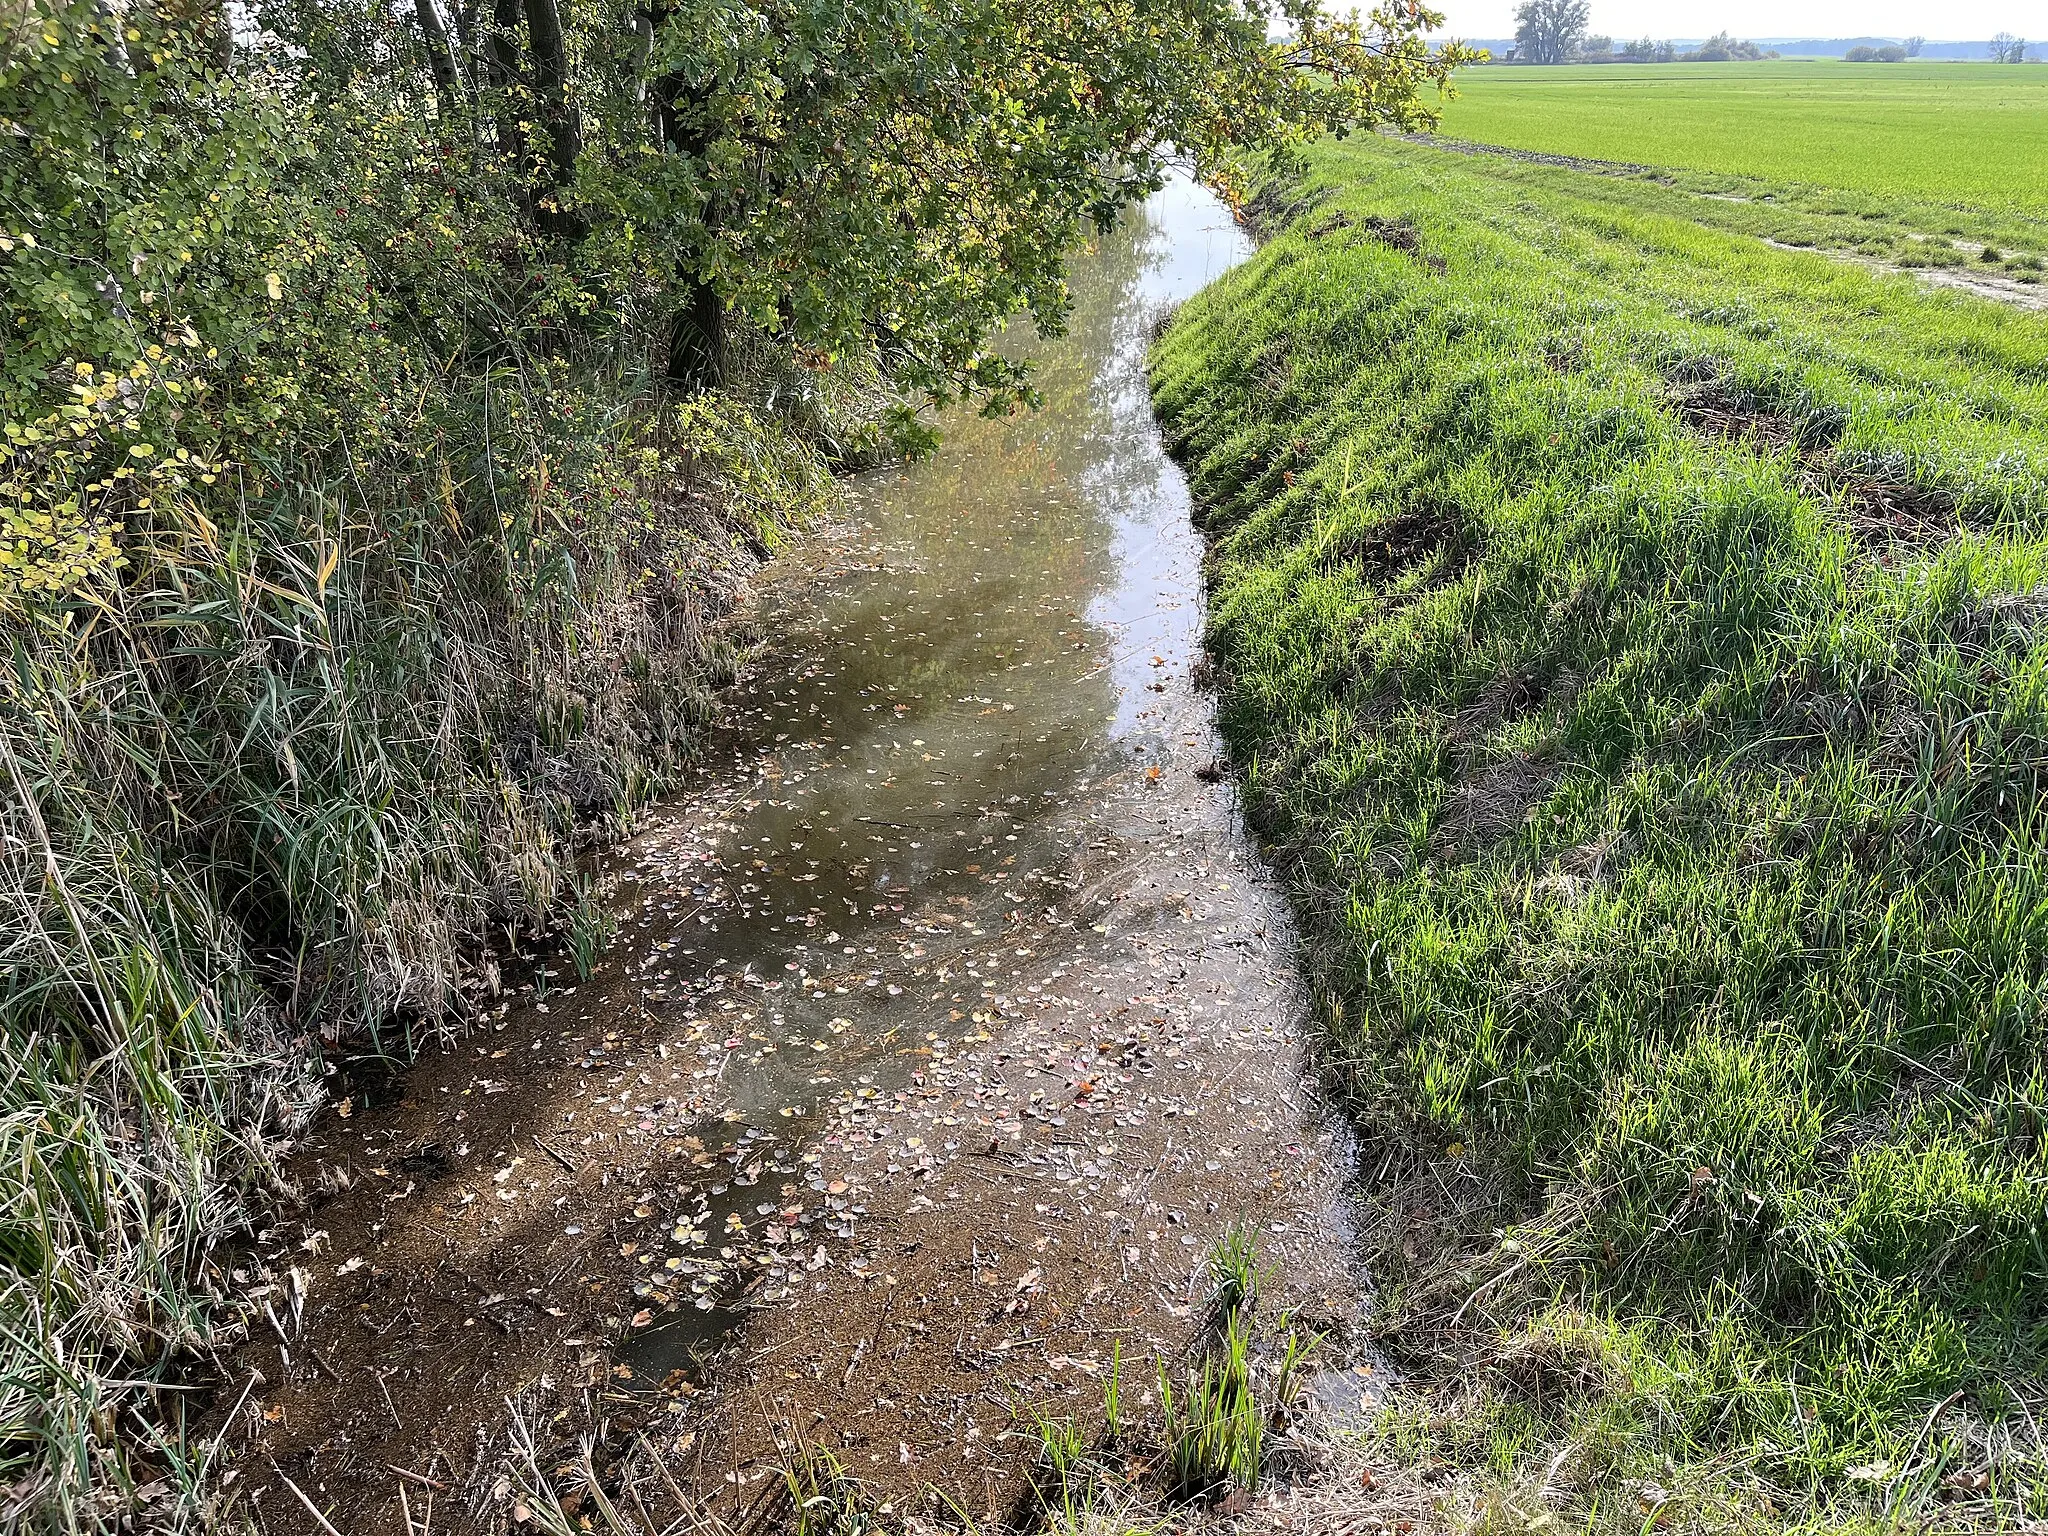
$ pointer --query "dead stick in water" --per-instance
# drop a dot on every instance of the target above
(567, 1166)
(311, 1508)
(378, 1377)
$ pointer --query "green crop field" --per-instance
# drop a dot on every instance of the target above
(1633, 642)
(1975, 133)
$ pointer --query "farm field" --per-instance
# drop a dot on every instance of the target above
(1963, 132)
(2002, 251)
(1631, 641)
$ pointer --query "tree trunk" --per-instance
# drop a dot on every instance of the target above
(501, 67)
(558, 113)
(697, 344)
(440, 54)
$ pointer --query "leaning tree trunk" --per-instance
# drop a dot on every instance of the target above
(440, 54)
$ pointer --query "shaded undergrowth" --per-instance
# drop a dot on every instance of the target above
(1630, 642)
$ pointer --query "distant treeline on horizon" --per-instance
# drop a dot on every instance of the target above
(1796, 47)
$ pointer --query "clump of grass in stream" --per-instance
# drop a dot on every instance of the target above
(1632, 641)
(1234, 1273)
(824, 1498)
(1295, 1349)
(591, 928)
(1113, 1394)
(1065, 1476)
(1214, 1427)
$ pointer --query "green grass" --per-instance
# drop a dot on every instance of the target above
(1634, 645)
(1971, 133)
(2006, 243)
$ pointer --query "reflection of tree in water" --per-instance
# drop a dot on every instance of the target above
(1030, 534)
(1089, 440)
(1128, 474)
(999, 552)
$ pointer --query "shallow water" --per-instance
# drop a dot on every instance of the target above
(1019, 618)
(950, 1023)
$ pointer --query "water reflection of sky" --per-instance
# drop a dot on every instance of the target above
(1184, 239)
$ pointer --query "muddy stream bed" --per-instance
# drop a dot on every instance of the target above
(950, 1023)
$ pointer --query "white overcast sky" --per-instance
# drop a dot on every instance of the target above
(1942, 19)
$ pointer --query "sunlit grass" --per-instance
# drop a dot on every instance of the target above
(1971, 133)
(1633, 643)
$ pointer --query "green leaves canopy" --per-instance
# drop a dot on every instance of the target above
(895, 173)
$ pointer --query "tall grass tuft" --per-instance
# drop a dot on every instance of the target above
(1214, 1428)
(1234, 1273)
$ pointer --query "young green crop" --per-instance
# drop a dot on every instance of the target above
(1961, 133)
(1634, 643)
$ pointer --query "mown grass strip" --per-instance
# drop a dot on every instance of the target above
(1634, 642)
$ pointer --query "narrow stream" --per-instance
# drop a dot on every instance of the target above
(951, 1022)
(1003, 626)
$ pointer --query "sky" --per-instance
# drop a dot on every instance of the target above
(1948, 19)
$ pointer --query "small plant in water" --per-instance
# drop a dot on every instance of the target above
(1234, 1273)
(825, 1499)
(1293, 1354)
(1064, 1484)
(1215, 1430)
(591, 929)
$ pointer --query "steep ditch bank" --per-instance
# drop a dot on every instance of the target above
(1628, 643)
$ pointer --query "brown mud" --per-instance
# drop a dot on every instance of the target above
(949, 1024)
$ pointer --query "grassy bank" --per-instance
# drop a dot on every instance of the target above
(392, 400)
(1632, 644)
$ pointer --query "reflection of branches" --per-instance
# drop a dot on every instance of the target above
(1307, 53)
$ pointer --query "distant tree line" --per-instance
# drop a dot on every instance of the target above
(1554, 32)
